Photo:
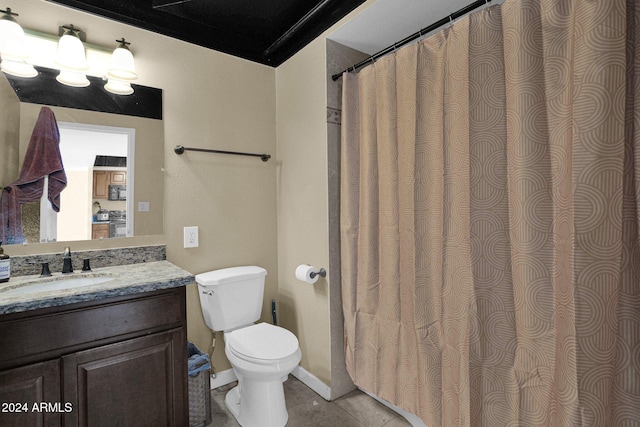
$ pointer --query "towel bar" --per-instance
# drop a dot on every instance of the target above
(180, 149)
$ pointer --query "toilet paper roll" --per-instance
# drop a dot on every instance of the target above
(303, 273)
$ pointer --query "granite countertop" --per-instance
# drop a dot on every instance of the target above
(123, 280)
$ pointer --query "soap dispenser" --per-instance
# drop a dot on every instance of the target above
(5, 265)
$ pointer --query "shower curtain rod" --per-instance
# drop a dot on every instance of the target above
(179, 149)
(455, 15)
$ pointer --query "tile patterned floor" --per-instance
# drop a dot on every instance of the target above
(307, 409)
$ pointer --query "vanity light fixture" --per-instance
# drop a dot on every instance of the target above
(13, 47)
(122, 70)
(65, 52)
(72, 58)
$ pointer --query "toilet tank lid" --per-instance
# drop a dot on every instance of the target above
(230, 275)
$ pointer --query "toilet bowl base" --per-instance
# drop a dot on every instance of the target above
(232, 401)
(267, 407)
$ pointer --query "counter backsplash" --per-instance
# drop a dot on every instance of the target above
(24, 265)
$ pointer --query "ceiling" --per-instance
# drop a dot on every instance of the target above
(268, 32)
(386, 22)
(271, 31)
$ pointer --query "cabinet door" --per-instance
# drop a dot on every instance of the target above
(101, 181)
(22, 388)
(137, 382)
(100, 231)
(118, 177)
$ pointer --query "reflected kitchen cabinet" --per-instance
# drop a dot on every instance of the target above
(118, 177)
(101, 184)
(102, 179)
(100, 231)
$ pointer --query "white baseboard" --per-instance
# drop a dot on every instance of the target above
(223, 378)
(311, 381)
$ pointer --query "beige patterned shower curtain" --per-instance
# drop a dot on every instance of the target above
(489, 219)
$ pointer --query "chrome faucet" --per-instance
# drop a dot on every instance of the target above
(67, 266)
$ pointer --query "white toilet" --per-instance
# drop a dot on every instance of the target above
(262, 355)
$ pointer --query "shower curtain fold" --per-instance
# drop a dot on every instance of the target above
(489, 218)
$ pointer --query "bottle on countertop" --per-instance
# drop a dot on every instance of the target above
(5, 265)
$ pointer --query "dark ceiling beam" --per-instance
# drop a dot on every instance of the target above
(159, 4)
(295, 28)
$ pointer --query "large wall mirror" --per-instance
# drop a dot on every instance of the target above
(113, 160)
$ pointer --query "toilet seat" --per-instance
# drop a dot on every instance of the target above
(262, 342)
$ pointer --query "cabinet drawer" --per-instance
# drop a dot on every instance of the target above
(46, 334)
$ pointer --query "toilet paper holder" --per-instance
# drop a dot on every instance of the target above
(321, 273)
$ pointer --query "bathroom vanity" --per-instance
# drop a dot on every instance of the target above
(111, 353)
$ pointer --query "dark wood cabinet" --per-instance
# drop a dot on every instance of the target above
(141, 370)
(117, 361)
(24, 389)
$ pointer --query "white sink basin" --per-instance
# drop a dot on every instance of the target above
(57, 284)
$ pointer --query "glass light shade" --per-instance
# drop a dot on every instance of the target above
(118, 87)
(10, 31)
(13, 48)
(17, 68)
(71, 53)
(122, 65)
(72, 60)
(72, 78)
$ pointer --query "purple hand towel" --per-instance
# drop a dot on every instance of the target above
(42, 158)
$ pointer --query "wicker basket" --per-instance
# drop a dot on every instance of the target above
(199, 400)
(199, 391)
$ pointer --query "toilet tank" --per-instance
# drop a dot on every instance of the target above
(231, 297)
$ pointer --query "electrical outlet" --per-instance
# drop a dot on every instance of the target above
(191, 237)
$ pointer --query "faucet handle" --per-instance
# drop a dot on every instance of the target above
(45, 270)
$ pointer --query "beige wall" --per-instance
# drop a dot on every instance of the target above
(303, 210)
(302, 203)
